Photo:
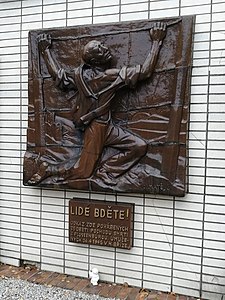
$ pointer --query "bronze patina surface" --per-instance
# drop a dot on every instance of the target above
(101, 223)
(108, 107)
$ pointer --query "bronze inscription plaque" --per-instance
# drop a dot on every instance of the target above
(101, 223)
(108, 106)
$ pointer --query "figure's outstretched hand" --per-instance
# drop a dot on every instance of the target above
(158, 32)
(44, 41)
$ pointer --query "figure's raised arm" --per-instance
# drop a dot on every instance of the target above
(63, 79)
(157, 34)
(44, 43)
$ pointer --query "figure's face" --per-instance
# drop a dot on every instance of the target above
(99, 53)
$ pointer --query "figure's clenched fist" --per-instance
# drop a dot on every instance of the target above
(158, 32)
(44, 41)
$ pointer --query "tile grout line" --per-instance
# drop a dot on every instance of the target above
(21, 101)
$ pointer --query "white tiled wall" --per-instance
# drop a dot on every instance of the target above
(179, 243)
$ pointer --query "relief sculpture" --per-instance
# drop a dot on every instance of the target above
(108, 107)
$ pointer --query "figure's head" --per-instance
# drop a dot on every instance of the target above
(96, 53)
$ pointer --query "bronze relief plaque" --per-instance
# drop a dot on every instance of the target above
(101, 223)
(108, 107)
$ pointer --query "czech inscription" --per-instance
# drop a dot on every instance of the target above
(108, 107)
(101, 223)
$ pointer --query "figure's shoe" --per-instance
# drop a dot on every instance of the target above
(107, 178)
(41, 174)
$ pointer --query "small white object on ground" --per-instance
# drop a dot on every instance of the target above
(94, 276)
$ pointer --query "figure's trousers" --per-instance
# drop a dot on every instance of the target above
(98, 135)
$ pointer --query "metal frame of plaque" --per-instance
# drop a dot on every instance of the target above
(127, 134)
(101, 223)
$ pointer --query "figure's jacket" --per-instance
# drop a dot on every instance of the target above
(95, 90)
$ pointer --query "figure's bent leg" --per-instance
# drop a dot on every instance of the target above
(94, 139)
(131, 149)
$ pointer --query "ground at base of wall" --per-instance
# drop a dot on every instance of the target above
(110, 290)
